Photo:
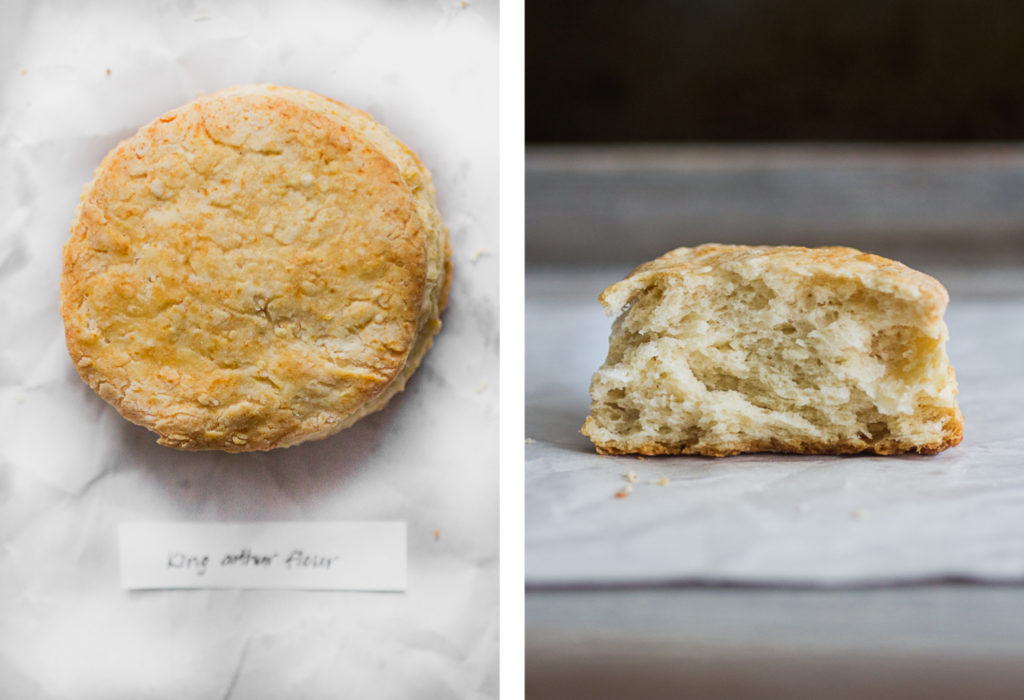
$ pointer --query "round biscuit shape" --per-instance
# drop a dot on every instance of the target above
(250, 271)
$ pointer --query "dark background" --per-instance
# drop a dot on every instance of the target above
(775, 70)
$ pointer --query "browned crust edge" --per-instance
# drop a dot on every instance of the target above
(953, 434)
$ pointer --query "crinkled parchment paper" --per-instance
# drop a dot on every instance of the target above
(770, 519)
(75, 78)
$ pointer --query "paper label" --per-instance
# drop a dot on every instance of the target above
(341, 556)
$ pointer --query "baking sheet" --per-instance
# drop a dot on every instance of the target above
(75, 78)
(771, 519)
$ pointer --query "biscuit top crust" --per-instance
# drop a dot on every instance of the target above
(243, 273)
(873, 271)
(416, 176)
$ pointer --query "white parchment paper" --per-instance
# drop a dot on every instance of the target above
(75, 78)
(769, 519)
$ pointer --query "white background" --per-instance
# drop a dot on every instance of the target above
(71, 469)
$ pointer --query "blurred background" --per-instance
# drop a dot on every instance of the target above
(894, 126)
(780, 70)
(876, 123)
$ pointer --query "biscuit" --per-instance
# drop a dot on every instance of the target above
(257, 268)
(723, 349)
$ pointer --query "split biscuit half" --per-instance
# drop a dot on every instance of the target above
(723, 349)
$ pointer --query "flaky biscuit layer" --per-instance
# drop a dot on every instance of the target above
(724, 349)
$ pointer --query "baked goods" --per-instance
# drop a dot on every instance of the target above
(259, 267)
(724, 349)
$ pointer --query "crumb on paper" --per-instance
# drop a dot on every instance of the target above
(662, 481)
(108, 71)
(530, 441)
(859, 514)
(437, 534)
(631, 476)
(464, 4)
(480, 389)
(622, 493)
(640, 457)
(24, 71)
(478, 253)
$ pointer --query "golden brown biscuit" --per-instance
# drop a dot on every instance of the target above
(724, 349)
(254, 269)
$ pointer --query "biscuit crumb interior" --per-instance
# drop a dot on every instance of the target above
(727, 362)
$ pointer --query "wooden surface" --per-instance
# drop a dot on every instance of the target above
(935, 643)
(955, 212)
(921, 204)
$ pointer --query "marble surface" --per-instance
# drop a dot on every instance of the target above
(75, 78)
(762, 519)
